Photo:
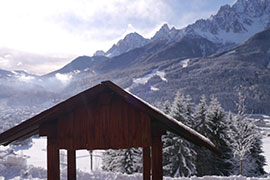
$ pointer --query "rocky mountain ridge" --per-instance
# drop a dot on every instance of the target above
(230, 26)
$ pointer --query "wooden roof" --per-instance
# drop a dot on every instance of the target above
(32, 126)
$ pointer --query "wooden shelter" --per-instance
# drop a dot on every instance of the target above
(103, 117)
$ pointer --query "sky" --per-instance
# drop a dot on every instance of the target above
(56, 31)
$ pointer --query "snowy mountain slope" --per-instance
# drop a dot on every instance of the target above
(131, 41)
(234, 24)
(5, 73)
(80, 64)
(166, 33)
(219, 74)
(229, 27)
(16, 74)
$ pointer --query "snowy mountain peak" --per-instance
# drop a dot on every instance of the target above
(99, 53)
(131, 41)
(164, 28)
(230, 26)
(131, 37)
(253, 8)
(234, 24)
(162, 33)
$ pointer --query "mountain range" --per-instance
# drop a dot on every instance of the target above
(219, 56)
(230, 26)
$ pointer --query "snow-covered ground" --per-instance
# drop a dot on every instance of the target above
(266, 149)
(144, 79)
(29, 160)
(263, 122)
(184, 62)
(36, 155)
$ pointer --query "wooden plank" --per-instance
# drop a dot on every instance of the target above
(65, 131)
(146, 163)
(157, 172)
(91, 125)
(115, 124)
(132, 126)
(71, 161)
(125, 123)
(145, 130)
(53, 170)
(101, 127)
(105, 118)
(80, 140)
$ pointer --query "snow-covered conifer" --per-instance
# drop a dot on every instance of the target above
(200, 123)
(215, 116)
(243, 137)
(126, 161)
(253, 164)
(179, 157)
(202, 127)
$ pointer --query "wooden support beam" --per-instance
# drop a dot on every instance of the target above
(157, 173)
(53, 170)
(71, 161)
(48, 129)
(146, 163)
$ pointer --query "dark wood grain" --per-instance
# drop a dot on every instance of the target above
(53, 168)
(157, 172)
(146, 163)
(71, 163)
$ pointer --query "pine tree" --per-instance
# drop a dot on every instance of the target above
(179, 157)
(201, 126)
(215, 116)
(126, 161)
(245, 141)
(110, 160)
(200, 122)
(253, 164)
(210, 121)
(189, 112)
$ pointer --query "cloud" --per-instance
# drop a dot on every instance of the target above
(25, 78)
(63, 78)
(80, 27)
(33, 63)
(72, 26)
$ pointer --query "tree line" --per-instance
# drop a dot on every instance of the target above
(235, 135)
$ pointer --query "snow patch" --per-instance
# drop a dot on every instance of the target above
(147, 77)
(143, 80)
(228, 53)
(76, 71)
(184, 62)
(154, 88)
(266, 147)
(36, 155)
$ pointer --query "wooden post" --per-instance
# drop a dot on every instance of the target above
(91, 160)
(146, 163)
(53, 170)
(157, 173)
(71, 161)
